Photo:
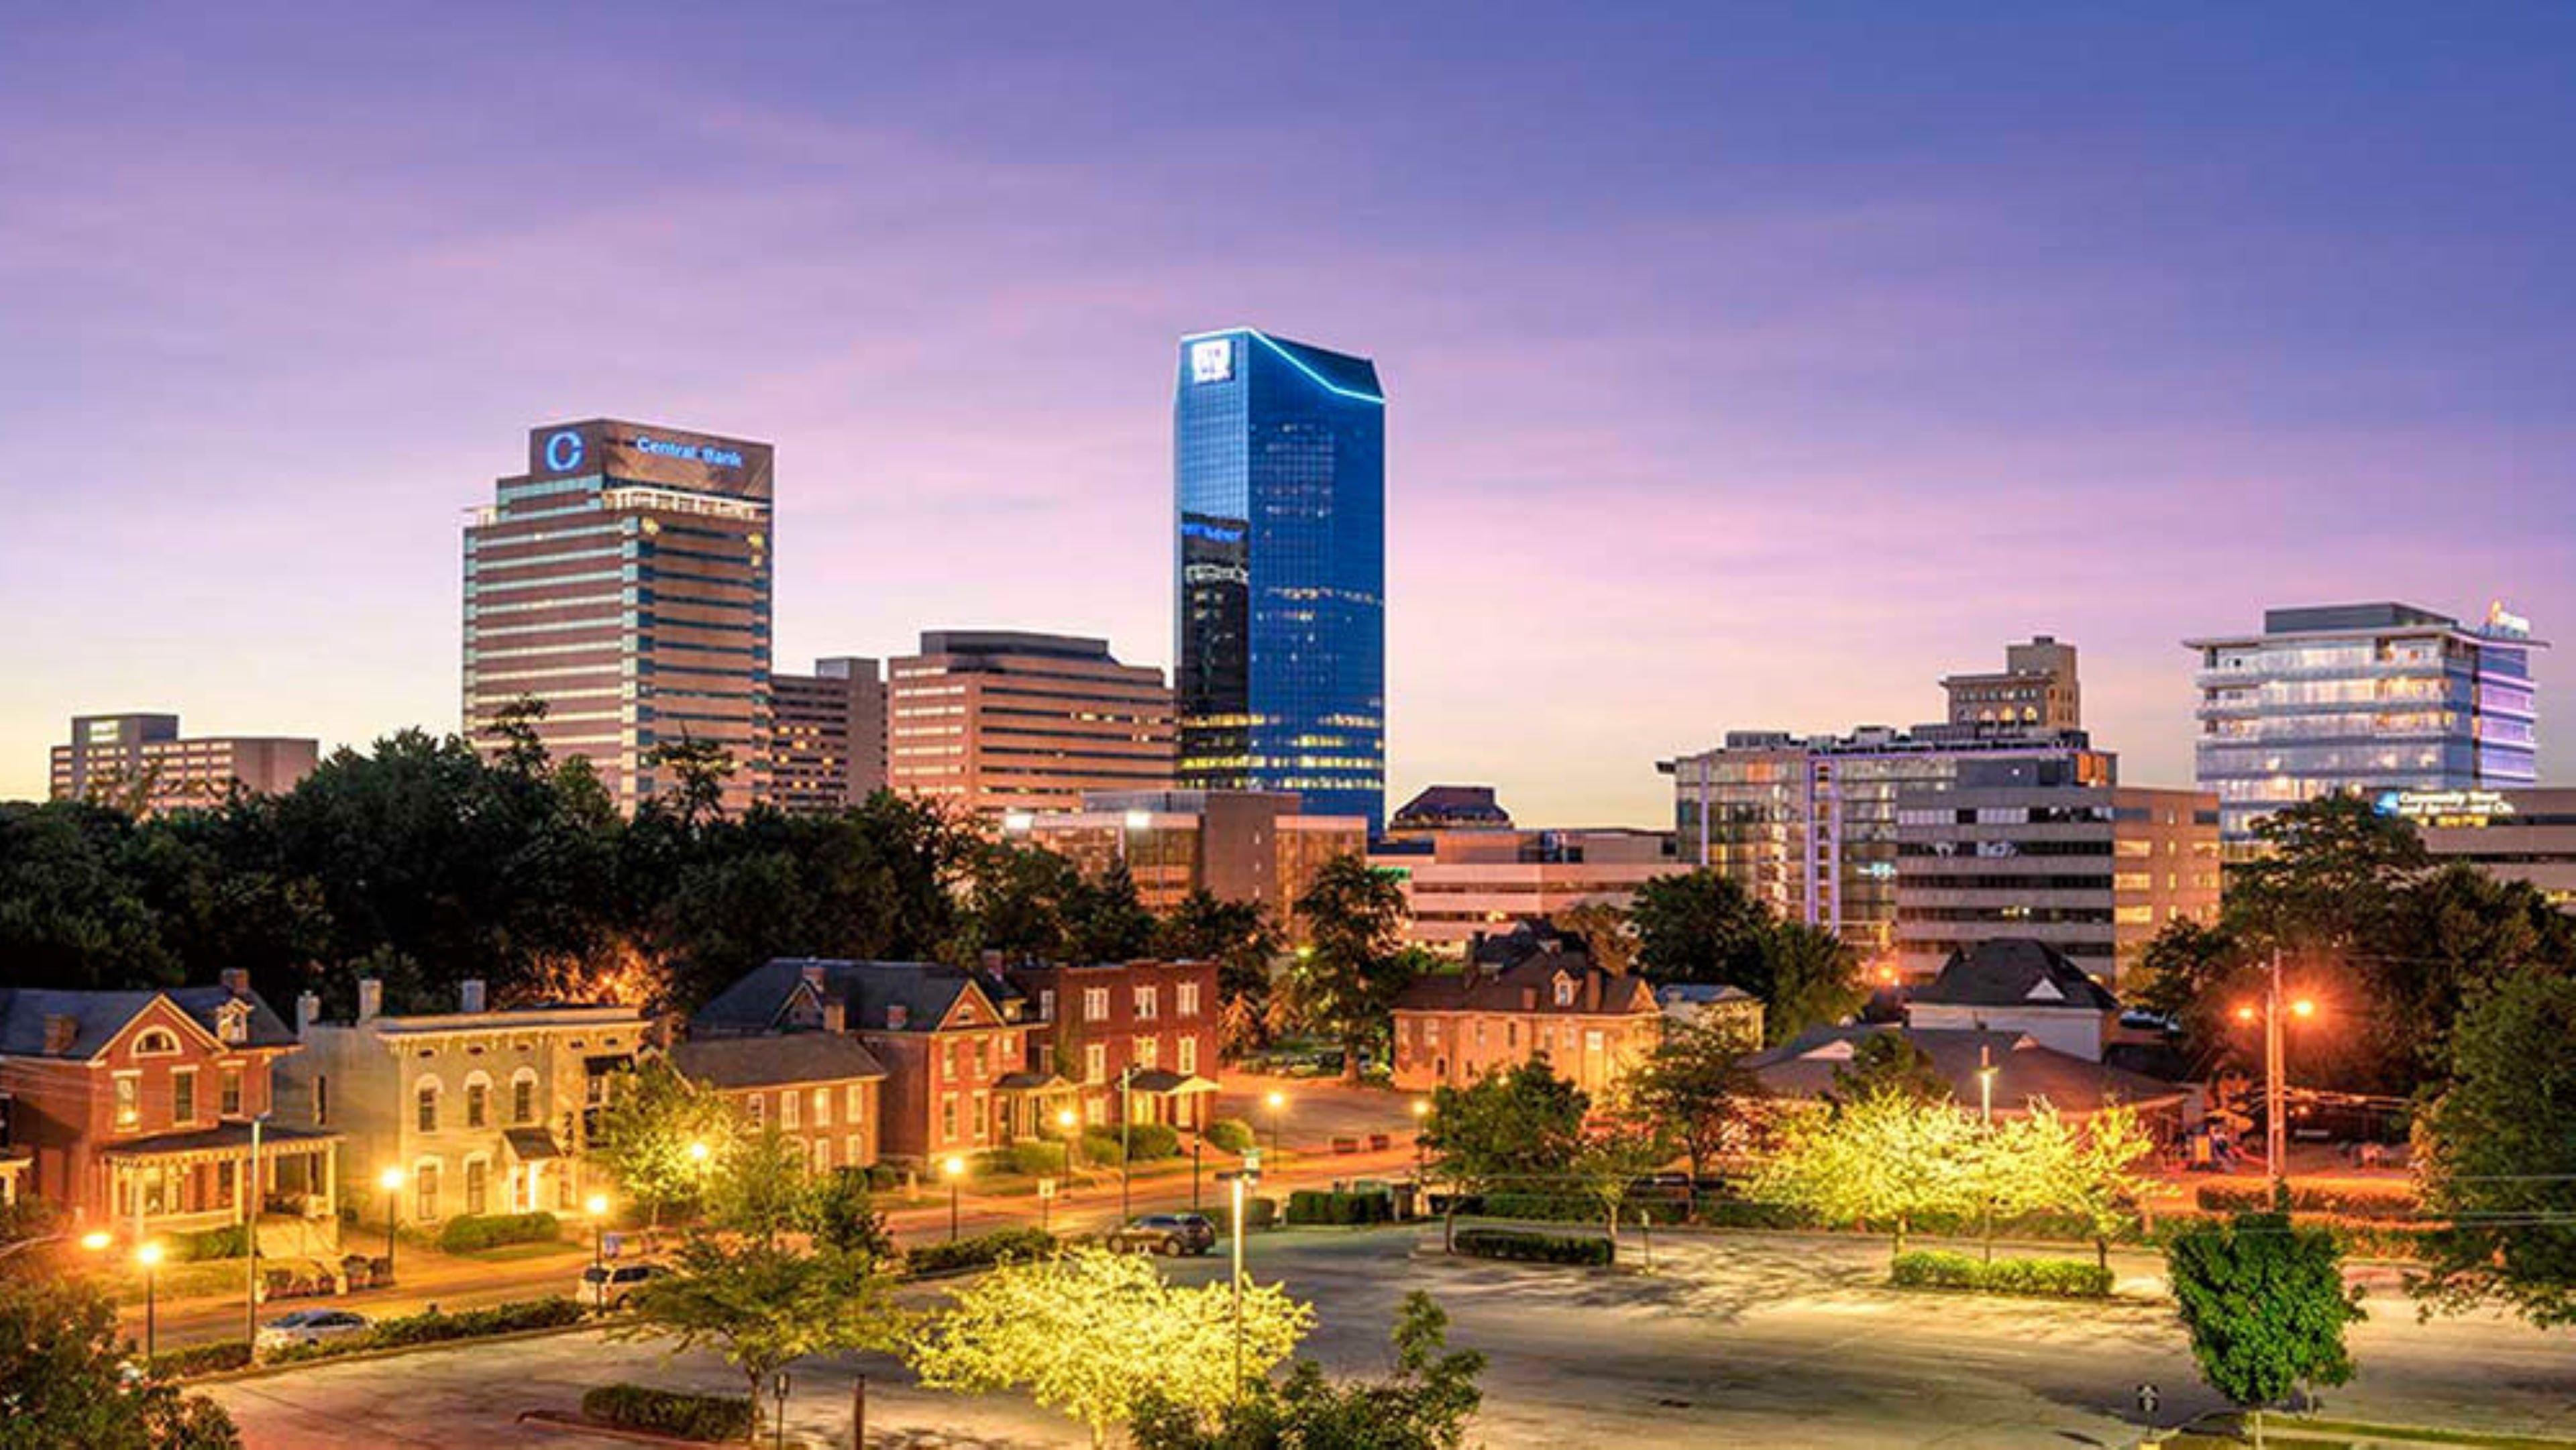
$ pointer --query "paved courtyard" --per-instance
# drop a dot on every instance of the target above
(1738, 1340)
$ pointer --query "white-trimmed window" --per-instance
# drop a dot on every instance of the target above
(854, 1151)
(523, 1096)
(129, 1099)
(1095, 1004)
(424, 1099)
(424, 1189)
(787, 1109)
(1565, 991)
(1095, 1062)
(1148, 1051)
(478, 1180)
(1148, 1004)
(183, 1095)
(854, 1104)
(1187, 1055)
(478, 1113)
(1185, 999)
(155, 1042)
(983, 1115)
(822, 1107)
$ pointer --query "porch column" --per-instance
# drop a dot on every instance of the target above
(242, 1189)
(330, 1182)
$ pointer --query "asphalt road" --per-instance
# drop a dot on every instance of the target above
(1737, 1340)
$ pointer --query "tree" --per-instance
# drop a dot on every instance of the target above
(662, 1135)
(1694, 1081)
(698, 770)
(62, 1378)
(1699, 926)
(763, 1188)
(1345, 983)
(1886, 1156)
(1610, 1156)
(1609, 938)
(1425, 1404)
(1517, 1128)
(1889, 1062)
(762, 1304)
(2497, 1155)
(1810, 978)
(843, 1215)
(1237, 936)
(1095, 1334)
(2040, 1162)
(2266, 1305)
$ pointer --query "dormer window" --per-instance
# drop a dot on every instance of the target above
(232, 1023)
(1564, 991)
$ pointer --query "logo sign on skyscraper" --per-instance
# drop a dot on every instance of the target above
(1212, 360)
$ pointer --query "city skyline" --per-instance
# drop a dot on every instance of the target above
(1725, 407)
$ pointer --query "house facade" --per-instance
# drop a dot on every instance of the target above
(476, 1110)
(1593, 1026)
(134, 1111)
(2021, 986)
(1142, 1031)
(821, 1089)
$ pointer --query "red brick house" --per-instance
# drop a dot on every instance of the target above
(1147, 1028)
(819, 1088)
(1591, 1025)
(135, 1108)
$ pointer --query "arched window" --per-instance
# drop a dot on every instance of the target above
(425, 1105)
(155, 1042)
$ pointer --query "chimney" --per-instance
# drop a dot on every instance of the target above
(308, 1010)
(236, 981)
(469, 995)
(1529, 999)
(836, 1015)
(896, 1016)
(371, 998)
(992, 960)
(60, 1033)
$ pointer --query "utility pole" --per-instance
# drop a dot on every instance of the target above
(2276, 1129)
(251, 1206)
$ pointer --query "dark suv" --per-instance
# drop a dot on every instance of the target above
(1170, 1234)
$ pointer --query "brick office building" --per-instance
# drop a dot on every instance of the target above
(1144, 1028)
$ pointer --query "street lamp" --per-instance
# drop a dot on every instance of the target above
(955, 1168)
(149, 1256)
(1421, 1116)
(391, 1181)
(1986, 1070)
(1236, 1183)
(1277, 1102)
(1067, 1119)
(1126, 1119)
(596, 1206)
(2276, 1128)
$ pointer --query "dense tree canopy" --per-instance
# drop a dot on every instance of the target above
(2266, 1306)
(63, 1381)
(1345, 980)
(1703, 926)
(2498, 1159)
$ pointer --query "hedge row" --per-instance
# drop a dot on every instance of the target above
(1234, 1135)
(229, 1242)
(492, 1230)
(1033, 1158)
(1514, 1244)
(661, 1412)
(1101, 1148)
(1315, 1206)
(2388, 1205)
(2034, 1278)
(977, 1252)
(436, 1328)
(201, 1359)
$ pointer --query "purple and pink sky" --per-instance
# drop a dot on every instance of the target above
(1750, 366)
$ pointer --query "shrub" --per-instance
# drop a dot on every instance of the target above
(1233, 1135)
(1147, 1142)
(1258, 1213)
(1743, 1213)
(2383, 1205)
(1315, 1206)
(1036, 1159)
(1539, 1207)
(661, 1412)
(491, 1230)
(976, 1253)
(229, 1242)
(2034, 1278)
(1101, 1148)
(200, 1359)
(882, 1176)
(1533, 1248)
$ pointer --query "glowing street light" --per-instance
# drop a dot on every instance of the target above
(699, 1153)
(149, 1256)
(1277, 1103)
(2276, 1128)
(1421, 1115)
(391, 1181)
(955, 1169)
(96, 1240)
(596, 1206)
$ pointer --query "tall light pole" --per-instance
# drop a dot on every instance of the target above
(1126, 1118)
(597, 1207)
(148, 1255)
(251, 1205)
(391, 1181)
(1986, 1120)
(1277, 1102)
(2276, 1125)
(1068, 1120)
(1421, 1116)
(955, 1169)
(1236, 1183)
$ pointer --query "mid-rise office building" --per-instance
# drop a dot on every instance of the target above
(2363, 697)
(2518, 835)
(1472, 882)
(1258, 846)
(1279, 555)
(2026, 848)
(144, 759)
(2036, 689)
(827, 735)
(1809, 825)
(997, 721)
(624, 582)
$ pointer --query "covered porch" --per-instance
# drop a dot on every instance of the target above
(206, 1179)
(1029, 1105)
(1181, 1100)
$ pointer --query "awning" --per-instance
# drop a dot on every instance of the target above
(1164, 1083)
(223, 1141)
(531, 1145)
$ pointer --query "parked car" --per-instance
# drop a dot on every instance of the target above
(310, 1326)
(1170, 1234)
(610, 1286)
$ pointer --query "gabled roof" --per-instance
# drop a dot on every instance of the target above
(2024, 1070)
(1596, 992)
(2015, 972)
(759, 1002)
(773, 1061)
(101, 1015)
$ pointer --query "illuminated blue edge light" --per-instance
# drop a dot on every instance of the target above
(1294, 361)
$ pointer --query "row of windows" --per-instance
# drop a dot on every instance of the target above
(429, 1091)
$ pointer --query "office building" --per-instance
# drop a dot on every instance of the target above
(1279, 556)
(2365, 697)
(827, 736)
(2025, 848)
(143, 759)
(2036, 689)
(2517, 835)
(1471, 882)
(1809, 825)
(996, 721)
(624, 582)
(1256, 846)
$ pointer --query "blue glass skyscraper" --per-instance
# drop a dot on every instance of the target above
(1279, 579)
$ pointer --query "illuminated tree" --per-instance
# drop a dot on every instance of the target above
(1609, 938)
(1611, 1155)
(763, 1304)
(1096, 1335)
(1516, 1128)
(1425, 1405)
(63, 1378)
(663, 1136)
(1886, 1157)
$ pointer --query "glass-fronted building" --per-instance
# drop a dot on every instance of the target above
(624, 581)
(2367, 697)
(1279, 552)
